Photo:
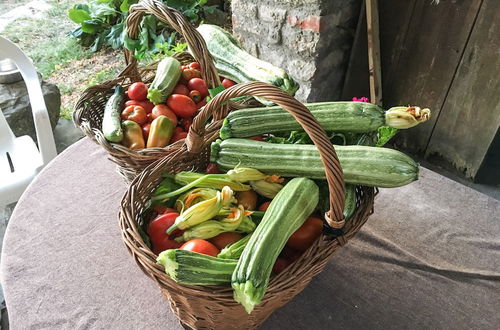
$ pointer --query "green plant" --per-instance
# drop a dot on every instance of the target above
(103, 24)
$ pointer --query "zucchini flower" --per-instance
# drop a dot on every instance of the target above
(212, 228)
(198, 180)
(216, 181)
(266, 189)
(242, 174)
(202, 211)
(194, 196)
(406, 117)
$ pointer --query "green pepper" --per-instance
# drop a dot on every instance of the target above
(132, 135)
(160, 132)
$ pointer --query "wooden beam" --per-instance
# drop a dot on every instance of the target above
(374, 52)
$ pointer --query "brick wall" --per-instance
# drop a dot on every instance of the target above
(310, 39)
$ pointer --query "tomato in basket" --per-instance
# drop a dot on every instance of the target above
(138, 91)
(224, 239)
(181, 89)
(201, 246)
(145, 130)
(135, 113)
(195, 65)
(160, 240)
(305, 236)
(163, 110)
(199, 85)
(182, 105)
(227, 83)
(147, 105)
(212, 169)
(178, 136)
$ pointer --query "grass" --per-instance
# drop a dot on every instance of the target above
(57, 56)
(46, 40)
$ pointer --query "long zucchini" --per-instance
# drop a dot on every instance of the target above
(234, 63)
(286, 213)
(368, 166)
(358, 117)
(111, 122)
(187, 267)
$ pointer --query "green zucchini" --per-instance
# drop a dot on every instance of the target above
(111, 122)
(368, 166)
(234, 63)
(357, 117)
(192, 268)
(234, 250)
(286, 213)
(349, 201)
(166, 78)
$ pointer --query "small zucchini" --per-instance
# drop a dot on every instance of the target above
(192, 268)
(111, 123)
(286, 213)
(166, 78)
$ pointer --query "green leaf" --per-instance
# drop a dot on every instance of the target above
(99, 41)
(82, 7)
(92, 26)
(102, 10)
(124, 6)
(115, 36)
(385, 133)
(78, 15)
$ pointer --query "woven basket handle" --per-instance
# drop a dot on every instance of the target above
(179, 23)
(334, 174)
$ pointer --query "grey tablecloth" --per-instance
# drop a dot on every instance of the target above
(429, 258)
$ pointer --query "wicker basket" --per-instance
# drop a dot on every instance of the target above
(213, 307)
(90, 107)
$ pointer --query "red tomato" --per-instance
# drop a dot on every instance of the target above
(189, 74)
(227, 83)
(135, 113)
(224, 239)
(138, 91)
(178, 136)
(264, 206)
(280, 265)
(178, 129)
(162, 109)
(186, 123)
(147, 105)
(181, 89)
(160, 240)
(145, 130)
(195, 65)
(184, 67)
(163, 209)
(182, 105)
(305, 236)
(199, 85)
(257, 138)
(212, 169)
(201, 104)
(290, 254)
(201, 246)
(150, 117)
(195, 96)
(247, 198)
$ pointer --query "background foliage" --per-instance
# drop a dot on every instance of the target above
(102, 23)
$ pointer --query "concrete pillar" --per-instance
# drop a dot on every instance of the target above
(310, 39)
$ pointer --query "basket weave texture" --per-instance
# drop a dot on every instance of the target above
(89, 109)
(213, 307)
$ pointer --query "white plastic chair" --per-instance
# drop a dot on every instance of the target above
(20, 159)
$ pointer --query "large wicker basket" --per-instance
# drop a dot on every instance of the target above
(213, 307)
(90, 107)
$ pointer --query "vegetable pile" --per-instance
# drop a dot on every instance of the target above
(159, 114)
(243, 226)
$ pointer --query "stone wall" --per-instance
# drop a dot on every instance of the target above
(310, 39)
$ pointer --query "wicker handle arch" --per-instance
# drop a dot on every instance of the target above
(334, 174)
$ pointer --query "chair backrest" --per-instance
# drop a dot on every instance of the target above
(45, 137)
(6, 135)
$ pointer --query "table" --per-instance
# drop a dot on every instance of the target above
(428, 258)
